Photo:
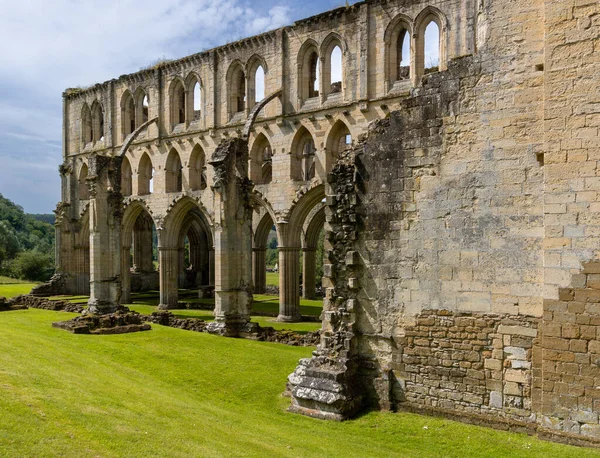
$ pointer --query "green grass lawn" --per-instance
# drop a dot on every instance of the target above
(264, 303)
(172, 393)
(10, 281)
(273, 278)
(17, 288)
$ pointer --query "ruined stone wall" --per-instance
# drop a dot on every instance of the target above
(567, 357)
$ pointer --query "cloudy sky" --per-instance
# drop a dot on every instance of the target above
(52, 45)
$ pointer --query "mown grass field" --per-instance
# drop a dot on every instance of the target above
(173, 393)
(10, 287)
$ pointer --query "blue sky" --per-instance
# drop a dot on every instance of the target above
(58, 44)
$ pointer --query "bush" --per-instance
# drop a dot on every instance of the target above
(31, 265)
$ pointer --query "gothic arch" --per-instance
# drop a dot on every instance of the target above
(261, 153)
(97, 121)
(176, 217)
(128, 117)
(177, 102)
(336, 142)
(192, 114)
(292, 231)
(173, 172)
(252, 67)
(141, 109)
(303, 155)
(309, 79)
(398, 30)
(145, 172)
(425, 17)
(86, 124)
(236, 88)
(196, 166)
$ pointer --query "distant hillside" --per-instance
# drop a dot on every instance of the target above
(49, 218)
(26, 243)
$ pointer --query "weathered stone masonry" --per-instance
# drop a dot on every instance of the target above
(462, 220)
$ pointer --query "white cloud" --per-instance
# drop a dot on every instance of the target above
(52, 45)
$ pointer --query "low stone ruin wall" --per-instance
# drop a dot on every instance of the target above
(259, 333)
(471, 363)
(34, 302)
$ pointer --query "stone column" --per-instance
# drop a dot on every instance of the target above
(168, 259)
(211, 267)
(181, 268)
(105, 214)
(259, 270)
(126, 275)
(309, 267)
(289, 284)
(233, 238)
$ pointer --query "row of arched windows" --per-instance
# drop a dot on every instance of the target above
(177, 178)
(412, 48)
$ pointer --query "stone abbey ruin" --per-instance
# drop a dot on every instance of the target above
(460, 201)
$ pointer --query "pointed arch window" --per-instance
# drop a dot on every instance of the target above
(174, 173)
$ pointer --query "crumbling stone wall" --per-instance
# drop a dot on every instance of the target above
(568, 358)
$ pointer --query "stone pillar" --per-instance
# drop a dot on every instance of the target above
(233, 238)
(105, 214)
(181, 268)
(126, 275)
(168, 259)
(259, 270)
(309, 267)
(289, 284)
(211, 267)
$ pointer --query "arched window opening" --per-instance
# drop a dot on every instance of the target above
(313, 78)
(303, 156)
(83, 189)
(97, 123)
(236, 89)
(197, 178)
(127, 115)
(145, 176)
(267, 165)
(338, 141)
(241, 93)
(145, 107)
(308, 159)
(261, 170)
(86, 125)
(197, 101)
(174, 173)
(403, 56)
(151, 182)
(178, 104)
(432, 47)
(126, 178)
(259, 84)
(336, 70)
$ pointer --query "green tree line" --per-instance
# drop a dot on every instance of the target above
(26, 243)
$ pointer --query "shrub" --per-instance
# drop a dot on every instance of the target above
(31, 265)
